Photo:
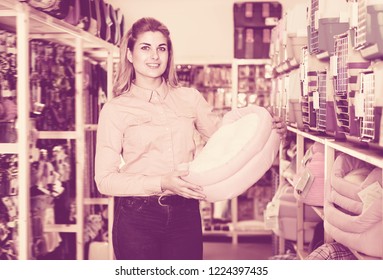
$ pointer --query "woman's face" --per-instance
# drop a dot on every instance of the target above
(149, 56)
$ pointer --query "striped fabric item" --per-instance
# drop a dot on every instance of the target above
(287, 256)
(331, 251)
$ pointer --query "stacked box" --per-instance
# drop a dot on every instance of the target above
(253, 22)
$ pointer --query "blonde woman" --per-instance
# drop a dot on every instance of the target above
(150, 124)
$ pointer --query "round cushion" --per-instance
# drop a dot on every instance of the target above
(237, 155)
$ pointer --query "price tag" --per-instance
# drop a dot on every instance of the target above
(333, 65)
(271, 215)
(370, 194)
(13, 186)
(303, 183)
(359, 105)
(272, 21)
(316, 100)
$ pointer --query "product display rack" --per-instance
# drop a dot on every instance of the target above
(311, 68)
(236, 64)
(370, 156)
(28, 23)
(236, 78)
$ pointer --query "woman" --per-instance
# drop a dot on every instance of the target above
(151, 124)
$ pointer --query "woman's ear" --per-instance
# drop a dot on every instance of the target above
(129, 56)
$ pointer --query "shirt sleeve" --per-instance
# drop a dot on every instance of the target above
(207, 122)
(108, 178)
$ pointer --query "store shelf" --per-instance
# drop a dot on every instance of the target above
(317, 138)
(62, 228)
(28, 23)
(236, 232)
(261, 232)
(372, 156)
(8, 148)
(217, 233)
(44, 26)
(96, 201)
(90, 127)
(57, 134)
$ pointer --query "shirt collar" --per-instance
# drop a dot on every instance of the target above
(150, 95)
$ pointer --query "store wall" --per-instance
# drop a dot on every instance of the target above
(201, 30)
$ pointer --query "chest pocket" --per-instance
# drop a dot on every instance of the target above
(139, 120)
(184, 119)
(137, 131)
(185, 116)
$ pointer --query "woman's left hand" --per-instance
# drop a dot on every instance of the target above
(280, 125)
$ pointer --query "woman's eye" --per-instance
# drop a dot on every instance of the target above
(145, 48)
(162, 49)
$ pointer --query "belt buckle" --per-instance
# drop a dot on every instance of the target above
(159, 200)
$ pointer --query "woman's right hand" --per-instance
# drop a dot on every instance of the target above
(173, 182)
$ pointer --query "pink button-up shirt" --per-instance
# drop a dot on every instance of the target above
(153, 131)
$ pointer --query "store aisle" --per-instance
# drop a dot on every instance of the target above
(259, 249)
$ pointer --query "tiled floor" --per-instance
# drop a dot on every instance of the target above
(257, 248)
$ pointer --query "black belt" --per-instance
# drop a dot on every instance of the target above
(163, 200)
(172, 200)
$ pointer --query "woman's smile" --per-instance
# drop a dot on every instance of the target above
(149, 57)
(153, 65)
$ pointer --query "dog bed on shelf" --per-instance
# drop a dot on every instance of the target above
(353, 216)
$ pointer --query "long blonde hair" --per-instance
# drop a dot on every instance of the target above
(125, 71)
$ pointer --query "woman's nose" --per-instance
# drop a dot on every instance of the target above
(154, 54)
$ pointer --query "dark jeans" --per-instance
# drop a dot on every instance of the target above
(148, 229)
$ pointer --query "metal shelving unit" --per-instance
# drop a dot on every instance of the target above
(28, 23)
(330, 66)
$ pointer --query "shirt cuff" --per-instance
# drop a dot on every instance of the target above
(152, 185)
